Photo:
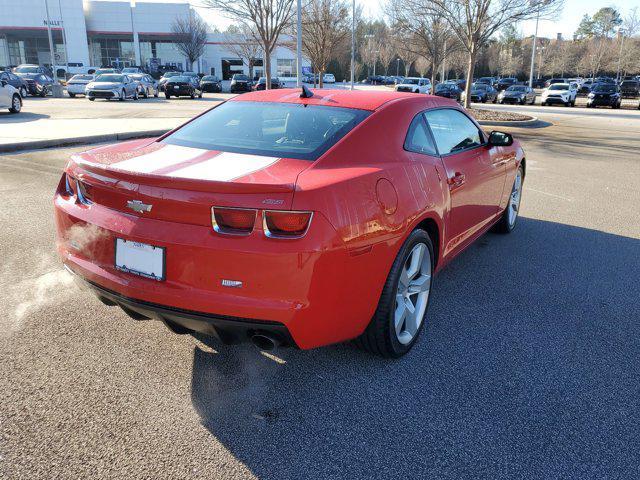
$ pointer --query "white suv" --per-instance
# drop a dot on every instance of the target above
(564, 93)
(415, 85)
(10, 97)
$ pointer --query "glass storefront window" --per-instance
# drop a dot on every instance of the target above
(286, 67)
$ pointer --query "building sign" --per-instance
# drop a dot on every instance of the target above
(53, 23)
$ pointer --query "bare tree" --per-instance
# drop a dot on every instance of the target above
(386, 53)
(404, 51)
(190, 36)
(242, 43)
(474, 22)
(267, 18)
(325, 25)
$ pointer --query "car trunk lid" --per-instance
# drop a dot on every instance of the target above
(181, 184)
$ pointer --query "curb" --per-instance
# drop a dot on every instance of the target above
(86, 140)
(532, 122)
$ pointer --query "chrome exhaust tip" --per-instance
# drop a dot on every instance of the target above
(264, 341)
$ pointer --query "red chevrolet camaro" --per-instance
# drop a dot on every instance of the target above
(289, 219)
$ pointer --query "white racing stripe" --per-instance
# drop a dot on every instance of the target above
(225, 166)
(164, 157)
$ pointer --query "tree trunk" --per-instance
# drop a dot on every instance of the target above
(433, 74)
(267, 68)
(320, 78)
(471, 67)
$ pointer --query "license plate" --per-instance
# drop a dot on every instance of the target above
(176, 87)
(140, 259)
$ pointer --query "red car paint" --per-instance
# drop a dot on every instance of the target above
(367, 193)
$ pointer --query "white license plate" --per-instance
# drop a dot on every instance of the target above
(140, 259)
(176, 87)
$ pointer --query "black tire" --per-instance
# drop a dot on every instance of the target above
(123, 96)
(193, 95)
(167, 96)
(16, 103)
(380, 337)
(91, 99)
(23, 92)
(503, 225)
(543, 104)
(155, 95)
(135, 95)
(200, 95)
(43, 92)
(72, 95)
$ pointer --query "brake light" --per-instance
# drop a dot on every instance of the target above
(70, 185)
(234, 221)
(285, 224)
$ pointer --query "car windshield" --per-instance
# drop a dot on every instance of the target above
(607, 88)
(171, 74)
(26, 70)
(412, 81)
(480, 86)
(517, 88)
(82, 77)
(444, 86)
(271, 129)
(240, 77)
(129, 70)
(109, 78)
(629, 83)
(559, 86)
(179, 79)
(210, 78)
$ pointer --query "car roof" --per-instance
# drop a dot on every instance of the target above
(360, 99)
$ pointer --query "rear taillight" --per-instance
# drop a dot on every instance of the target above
(75, 188)
(70, 185)
(233, 221)
(284, 224)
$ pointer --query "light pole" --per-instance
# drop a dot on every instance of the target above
(56, 88)
(353, 41)
(299, 44)
(64, 38)
(533, 49)
(369, 36)
(540, 50)
(398, 67)
(621, 34)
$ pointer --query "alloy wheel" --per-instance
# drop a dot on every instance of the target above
(514, 199)
(17, 104)
(412, 293)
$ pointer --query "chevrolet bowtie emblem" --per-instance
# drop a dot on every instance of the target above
(138, 206)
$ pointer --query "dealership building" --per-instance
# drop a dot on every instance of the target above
(118, 34)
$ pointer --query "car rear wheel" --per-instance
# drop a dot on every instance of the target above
(72, 95)
(167, 96)
(123, 95)
(146, 93)
(23, 92)
(403, 304)
(16, 103)
(510, 216)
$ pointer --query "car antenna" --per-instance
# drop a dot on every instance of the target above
(306, 93)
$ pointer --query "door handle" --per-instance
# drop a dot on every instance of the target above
(456, 181)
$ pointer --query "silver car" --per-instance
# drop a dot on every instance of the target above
(77, 84)
(147, 85)
(112, 85)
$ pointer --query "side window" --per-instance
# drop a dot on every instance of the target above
(418, 138)
(452, 130)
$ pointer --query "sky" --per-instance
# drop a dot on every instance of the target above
(566, 23)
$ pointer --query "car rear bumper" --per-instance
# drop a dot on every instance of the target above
(76, 89)
(312, 287)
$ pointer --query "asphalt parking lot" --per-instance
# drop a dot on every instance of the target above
(527, 367)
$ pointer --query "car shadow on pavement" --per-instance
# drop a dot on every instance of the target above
(527, 368)
(22, 117)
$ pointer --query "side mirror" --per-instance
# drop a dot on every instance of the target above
(500, 139)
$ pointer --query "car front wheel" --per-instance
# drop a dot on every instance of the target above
(16, 104)
(123, 95)
(403, 304)
(23, 92)
(508, 220)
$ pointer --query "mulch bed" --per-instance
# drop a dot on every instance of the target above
(497, 116)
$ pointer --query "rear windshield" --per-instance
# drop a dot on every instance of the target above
(559, 86)
(26, 70)
(516, 88)
(606, 88)
(411, 81)
(271, 129)
(178, 79)
(82, 77)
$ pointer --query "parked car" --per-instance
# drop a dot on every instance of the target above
(482, 92)
(604, 95)
(586, 86)
(165, 78)
(182, 86)
(112, 86)
(521, 94)
(211, 83)
(606, 80)
(630, 88)
(147, 85)
(563, 93)
(505, 83)
(328, 78)
(16, 82)
(240, 83)
(414, 85)
(375, 80)
(538, 83)
(38, 84)
(10, 96)
(262, 83)
(77, 84)
(553, 81)
(486, 81)
(448, 90)
(290, 217)
(29, 68)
